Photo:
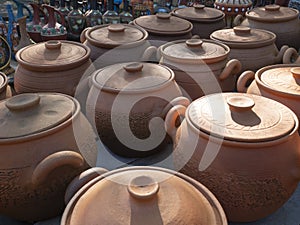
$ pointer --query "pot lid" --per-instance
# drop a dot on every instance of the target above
(272, 13)
(241, 117)
(195, 50)
(144, 196)
(53, 55)
(199, 13)
(133, 76)
(244, 37)
(164, 23)
(282, 79)
(113, 35)
(27, 114)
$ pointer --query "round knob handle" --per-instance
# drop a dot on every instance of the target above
(296, 74)
(272, 7)
(241, 30)
(194, 42)
(116, 28)
(133, 67)
(22, 101)
(143, 187)
(53, 44)
(240, 103)
(199, 6)
(163, 15)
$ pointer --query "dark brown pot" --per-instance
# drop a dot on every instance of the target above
(45, 141)
(142, 195)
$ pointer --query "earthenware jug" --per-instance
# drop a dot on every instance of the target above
(52, 66)
(233, 144)
(24, 37)
(282, 21)
(45, 142)
(150, 195)
(201, 66)
(205, 20)
(255, 48)
(127, 103)
(278, 82)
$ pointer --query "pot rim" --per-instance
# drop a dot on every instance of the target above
(51, 68)
(200, 188)
(208, 60)
(109, 46)
(241, 144)
(5, 82)
(271, 90)
(129, 92)
(50, 131)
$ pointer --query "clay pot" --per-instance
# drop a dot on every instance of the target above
(143, 195)
(200, 66)
(44, 138)
(282, 21)
(116, 43)
(52, 66)
(254, 48)
(291, 56)
(205, 20)
(5, 90)
(127, 102)
(233, 144)
(163, 27)
(278, 82)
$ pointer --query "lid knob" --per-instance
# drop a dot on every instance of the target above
(22, 102)
(116, 28)
(163, 15)
(272, 7)
(143, 187)
(241, 30)
(53, 44)
(296, 74)
(240, 103)
(194, 42)
(198, 6)
(133, 67)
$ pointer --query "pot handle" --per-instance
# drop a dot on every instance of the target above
(243, 80)
(53, 161)
(82, 35)
(237, 20)
(150, 54)
(233, 67)
(176, 101)
(170, 121)
(291, 56)
(82, 179)
(279, 57)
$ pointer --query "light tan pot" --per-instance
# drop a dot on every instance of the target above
(233, 144)
(141, 195)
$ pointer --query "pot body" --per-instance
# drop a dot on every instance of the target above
(158, 40)
(204, 30)
(28, 80)
(5, 90)
(201, 79)
(287, 32)
(36, 169)
(123, 119)
(251, 180)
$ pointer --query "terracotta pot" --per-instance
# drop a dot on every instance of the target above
(163, 27)
(43, 141)
(127, 102)
(116, 43)
(291, 56)
(278, 82)
(200, 66)
(143, 195)
(205, 20)
(52, 66)
(232, 143)
(282, 21)
(5, 90)
(254, 48)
